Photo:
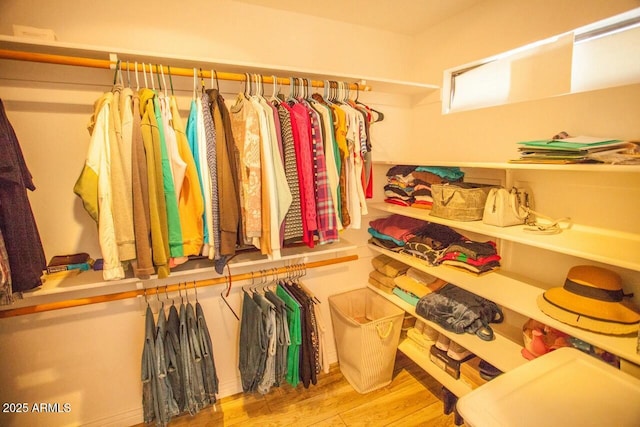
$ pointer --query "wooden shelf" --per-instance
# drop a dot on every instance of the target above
(378, 84)
(519, 295)
(606, 246)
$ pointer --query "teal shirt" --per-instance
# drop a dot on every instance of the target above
(192, 137)
(173, 217)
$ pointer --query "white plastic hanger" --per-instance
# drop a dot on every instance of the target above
(144, 73)
(164, 82)
(137, 80)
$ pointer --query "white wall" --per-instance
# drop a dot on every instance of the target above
(226, 29)
(492, 27)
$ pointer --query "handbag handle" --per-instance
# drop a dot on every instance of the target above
(446, 202)
(534, 226)
(517, 205)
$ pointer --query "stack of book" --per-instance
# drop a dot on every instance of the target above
(580, 149)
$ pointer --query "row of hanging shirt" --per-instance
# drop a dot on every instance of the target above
(281, 338)
(262, 173)
(178, 367)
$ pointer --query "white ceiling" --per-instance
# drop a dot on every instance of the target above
(408, 17)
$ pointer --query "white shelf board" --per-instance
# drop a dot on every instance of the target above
(501, 352)
(89, 283)
(514, 166)
(421, 358)
(520, 296)
(610, 247)
(379, 84)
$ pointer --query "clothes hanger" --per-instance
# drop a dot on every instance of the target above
(158, 76)
(195, 289)
(186, 292)
(303, 92)
(228, 289)
(258, 85)
(340, 92)
(247, 85)
(115, 75)
(120, 74)
(292, 91)
(180, 293)
(309, 89)
(195, 82)
(128, 75)
(254, 87)
(137, 80)
(163, 81)
(331, 95)
(166, 293)
(274, 93)
(301, 95)
(153, 82)
(380, 115)
(202, 85)
(161, 303)
(144, 73)
(170, 79)
(215, 73)
(263, 274)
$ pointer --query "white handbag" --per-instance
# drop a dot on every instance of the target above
(504, 208)
(511, 207)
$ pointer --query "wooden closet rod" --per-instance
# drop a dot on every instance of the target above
(39, 308)
(175, 71)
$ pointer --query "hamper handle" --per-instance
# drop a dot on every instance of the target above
(386, 334)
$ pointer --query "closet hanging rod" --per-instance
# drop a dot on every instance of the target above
(39, 308)
(175, 71)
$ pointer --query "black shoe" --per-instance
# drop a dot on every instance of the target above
(449, 400)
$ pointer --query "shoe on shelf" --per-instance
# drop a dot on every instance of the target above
(431, 333)
(457, 352)
(443, 342)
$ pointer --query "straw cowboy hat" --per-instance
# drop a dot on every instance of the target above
(592, 298)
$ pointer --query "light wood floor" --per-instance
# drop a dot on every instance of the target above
(412, 399)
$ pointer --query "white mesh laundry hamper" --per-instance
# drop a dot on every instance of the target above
(366, 328)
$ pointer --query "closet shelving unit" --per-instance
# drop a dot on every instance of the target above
(195, 269)
(518, 294)
(53, 52)
(81, 51)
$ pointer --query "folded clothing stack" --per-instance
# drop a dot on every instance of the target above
(417, 283)
(411, 185)
(476, 257)
(392, 232)
(386, 269)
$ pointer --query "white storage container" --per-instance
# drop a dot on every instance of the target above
(563, 388)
